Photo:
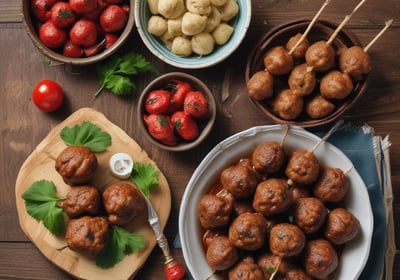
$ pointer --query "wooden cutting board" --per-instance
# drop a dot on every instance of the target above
(40, 165)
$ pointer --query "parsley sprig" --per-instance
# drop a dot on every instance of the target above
(117, 72)
(145, 177)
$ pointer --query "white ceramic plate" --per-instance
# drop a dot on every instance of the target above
(355, 253)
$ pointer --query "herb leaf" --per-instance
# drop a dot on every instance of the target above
(145, 177)
(40, 202)
(121, 243)
(88, 135)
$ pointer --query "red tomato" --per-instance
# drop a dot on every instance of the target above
(111, 38)
(195, 104)
(160, 127)
(62, 15)
(47, 95)
(113, 19)
(83, 32)
(178, 89)
(158, 101)
(41, 9)
(185, 126)
(113, 1)
(72, 50)
(83, 6)
(51, 35)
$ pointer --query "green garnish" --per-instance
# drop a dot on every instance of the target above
(145, 177)
(121, 243)
(116, 73)
(40, 201)
(88, 135)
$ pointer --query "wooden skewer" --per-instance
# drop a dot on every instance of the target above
(387, 24)
(285, 135)
(276, 269)
(330, 132)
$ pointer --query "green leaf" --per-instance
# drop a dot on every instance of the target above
(88, 135)
(121, 243)
(120, 85)
(145, 177)
(41, 203)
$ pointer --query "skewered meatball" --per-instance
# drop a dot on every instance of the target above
(355, 62)
(82, 200)
(248, 231)
(341, 226)
(336, 85)
(278, 61)
(270, 263)
(286, 240)
(76, 165)
(272, 196)
(309, 214)
(246, 269)
(87, 234)
(240, 179)
(301, 49)
(302, 80)
(287, 104)
(320, 56)
(332, 184)
(123, 202)
(214, 211)
(261, 85)
(318, 107)
(320, 258)
(302, 168)
(268, 157)
(221, 254)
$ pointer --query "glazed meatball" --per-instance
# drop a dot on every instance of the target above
(260, 85)
(82, 200)
(336, 85)
(272, 196)
(246, 269)
(341, 226)
(355, 62)
(318, 107)
(214, 211)
(76, 165)
(309, 214)
(296, 273)
(299, 192)
(248, 231)
(320, 258)
(278, 61)
(287, 104)
(320, 56)
(240, 179)
(300, 51)
(268, 157)
(87, 234)
(332, 184)
(270, 263)
(123, 202)
(286, 240)
(221, 254)
(303, 167)
(302, 80)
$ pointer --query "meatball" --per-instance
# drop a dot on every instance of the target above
(296, 273)
(300, 51)
(278, 61)
(221, 254)
(318, 107)
(320, 258)
(299, 192)
(355, 62)
(87, 234)
(248, 231)
(123, 202)
(309, 214)
(76, 165)
(246, 269)
(214, 211)
(270, 263)
(240, 179)
(260, 85)
(341, 226)
(332, 184)
(272, 196)
(286, 240)
(336, 85)
(268, 157)
(302, 80)
(82, 200)
(287, 104)
(303, 167)
(320, 56)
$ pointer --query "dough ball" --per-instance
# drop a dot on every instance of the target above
(167, 38)
(213, 20)
(181, 46)
(203, 43)
(222, 33)
(153, 6)
(171, 8)
(229, 10)
(218, 2)
(199, 7)
(175, 27)
(157, 25)
(193, 24)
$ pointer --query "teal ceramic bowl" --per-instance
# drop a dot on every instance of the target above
(240, 24)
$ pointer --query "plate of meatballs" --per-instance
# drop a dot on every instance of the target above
(275, 202)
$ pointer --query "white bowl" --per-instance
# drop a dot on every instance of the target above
(240, 24)
(355, 253)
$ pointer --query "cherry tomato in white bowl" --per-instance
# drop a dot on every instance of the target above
(48, 95)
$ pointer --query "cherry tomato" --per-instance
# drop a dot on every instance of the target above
(178, 89)
(195, 104)
(161, 128)
(62, 15)
(51, 35)
(47, 95)
(83, 32)
(185, 126)
(158, 101)
(41, 9)
(83, 6)
(113, 19)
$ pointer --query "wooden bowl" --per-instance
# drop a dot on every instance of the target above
(31, 24)
(278, 36)
(205, 124)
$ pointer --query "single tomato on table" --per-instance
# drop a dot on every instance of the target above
(47, 95)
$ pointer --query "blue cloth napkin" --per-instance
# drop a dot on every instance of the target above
(358, 145)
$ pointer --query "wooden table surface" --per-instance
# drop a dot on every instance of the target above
(23, 126)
